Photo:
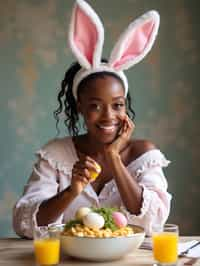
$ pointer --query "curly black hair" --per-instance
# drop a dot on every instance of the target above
(67, 102)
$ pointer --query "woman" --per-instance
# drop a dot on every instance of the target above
(131, 176)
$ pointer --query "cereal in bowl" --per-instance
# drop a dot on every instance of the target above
(98, 223)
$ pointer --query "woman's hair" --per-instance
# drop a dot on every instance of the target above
(67, 102)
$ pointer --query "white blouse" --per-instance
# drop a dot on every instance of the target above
(52, 174)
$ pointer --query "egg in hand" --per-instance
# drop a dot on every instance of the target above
(94, 174)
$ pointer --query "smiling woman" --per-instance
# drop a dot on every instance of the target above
(131, 176)
(102, 104)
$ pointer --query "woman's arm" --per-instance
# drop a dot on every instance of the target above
(50, 210)
(129, 189)
(41, 186)
(143, 192)
(41, 203)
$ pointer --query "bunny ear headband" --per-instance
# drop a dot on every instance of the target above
(86, 38)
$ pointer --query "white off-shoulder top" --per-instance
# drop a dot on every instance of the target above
(52, 173)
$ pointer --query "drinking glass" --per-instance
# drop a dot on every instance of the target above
(46, 246)
(165, 245)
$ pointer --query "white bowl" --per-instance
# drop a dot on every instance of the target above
(102, 249)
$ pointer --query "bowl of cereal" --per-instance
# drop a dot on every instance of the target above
(100, 234)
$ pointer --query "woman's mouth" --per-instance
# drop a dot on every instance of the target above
(107, 129)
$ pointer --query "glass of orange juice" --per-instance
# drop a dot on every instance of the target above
(46, 246)
(165, 245)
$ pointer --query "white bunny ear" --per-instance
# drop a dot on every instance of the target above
(86, 35)
(135, 42)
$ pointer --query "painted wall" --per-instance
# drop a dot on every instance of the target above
(164, 87)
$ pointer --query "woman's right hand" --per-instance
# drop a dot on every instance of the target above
(81, 173)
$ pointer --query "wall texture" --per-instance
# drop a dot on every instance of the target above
(164, 87)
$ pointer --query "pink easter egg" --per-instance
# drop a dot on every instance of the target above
(119, 219)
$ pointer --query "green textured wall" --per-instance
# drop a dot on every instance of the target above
(164, 86)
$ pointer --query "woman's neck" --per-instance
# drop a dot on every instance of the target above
(90, 146)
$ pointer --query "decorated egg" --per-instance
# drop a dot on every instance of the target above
(94, 174)
(119, 219)
(93, 220)
(81, 212)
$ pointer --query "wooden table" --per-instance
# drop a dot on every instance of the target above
(19, 252)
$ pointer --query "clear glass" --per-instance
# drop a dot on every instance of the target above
(165, 245)
(46, 246)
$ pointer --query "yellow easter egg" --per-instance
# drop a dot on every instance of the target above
(94, 174)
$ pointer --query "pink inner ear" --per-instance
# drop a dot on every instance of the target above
(136, 43)
(85, 34)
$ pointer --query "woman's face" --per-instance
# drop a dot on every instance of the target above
(102, 104)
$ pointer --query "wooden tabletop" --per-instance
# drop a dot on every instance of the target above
(19, 252)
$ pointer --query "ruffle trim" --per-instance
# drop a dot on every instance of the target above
(28, 217)
(61, 166)
(34, 214)
(29, 220)
(149, 162)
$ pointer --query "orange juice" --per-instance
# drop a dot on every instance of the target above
(165, 247)
(47, 251)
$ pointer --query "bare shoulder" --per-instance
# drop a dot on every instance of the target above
(139, 147)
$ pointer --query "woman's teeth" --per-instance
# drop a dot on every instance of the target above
(107, 128)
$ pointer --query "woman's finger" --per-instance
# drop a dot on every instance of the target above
(89, 165)
(84, 171)
(130, 122)
(82, 179)
(125, 127)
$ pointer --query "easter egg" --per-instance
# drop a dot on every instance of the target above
(119, 219)
(93, 220)
(94, 174)
(81, 212)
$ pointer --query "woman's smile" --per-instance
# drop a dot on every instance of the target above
(108, 129)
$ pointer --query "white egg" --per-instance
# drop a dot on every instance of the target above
(93, 220)
(81, 212)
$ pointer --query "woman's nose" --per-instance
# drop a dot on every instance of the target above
(108, 112)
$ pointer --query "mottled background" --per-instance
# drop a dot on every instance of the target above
(164, 87)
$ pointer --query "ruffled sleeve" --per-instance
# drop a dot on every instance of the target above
(59, 154)
(147, 169)
(43, 184)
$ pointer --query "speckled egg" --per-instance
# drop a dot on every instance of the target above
(93, 220)
(119, 219)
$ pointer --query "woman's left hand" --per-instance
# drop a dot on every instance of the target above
(123, 137)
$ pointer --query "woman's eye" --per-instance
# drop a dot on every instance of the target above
(95, 107)
(118, 106)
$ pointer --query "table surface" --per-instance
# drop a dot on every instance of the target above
(19, 252)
